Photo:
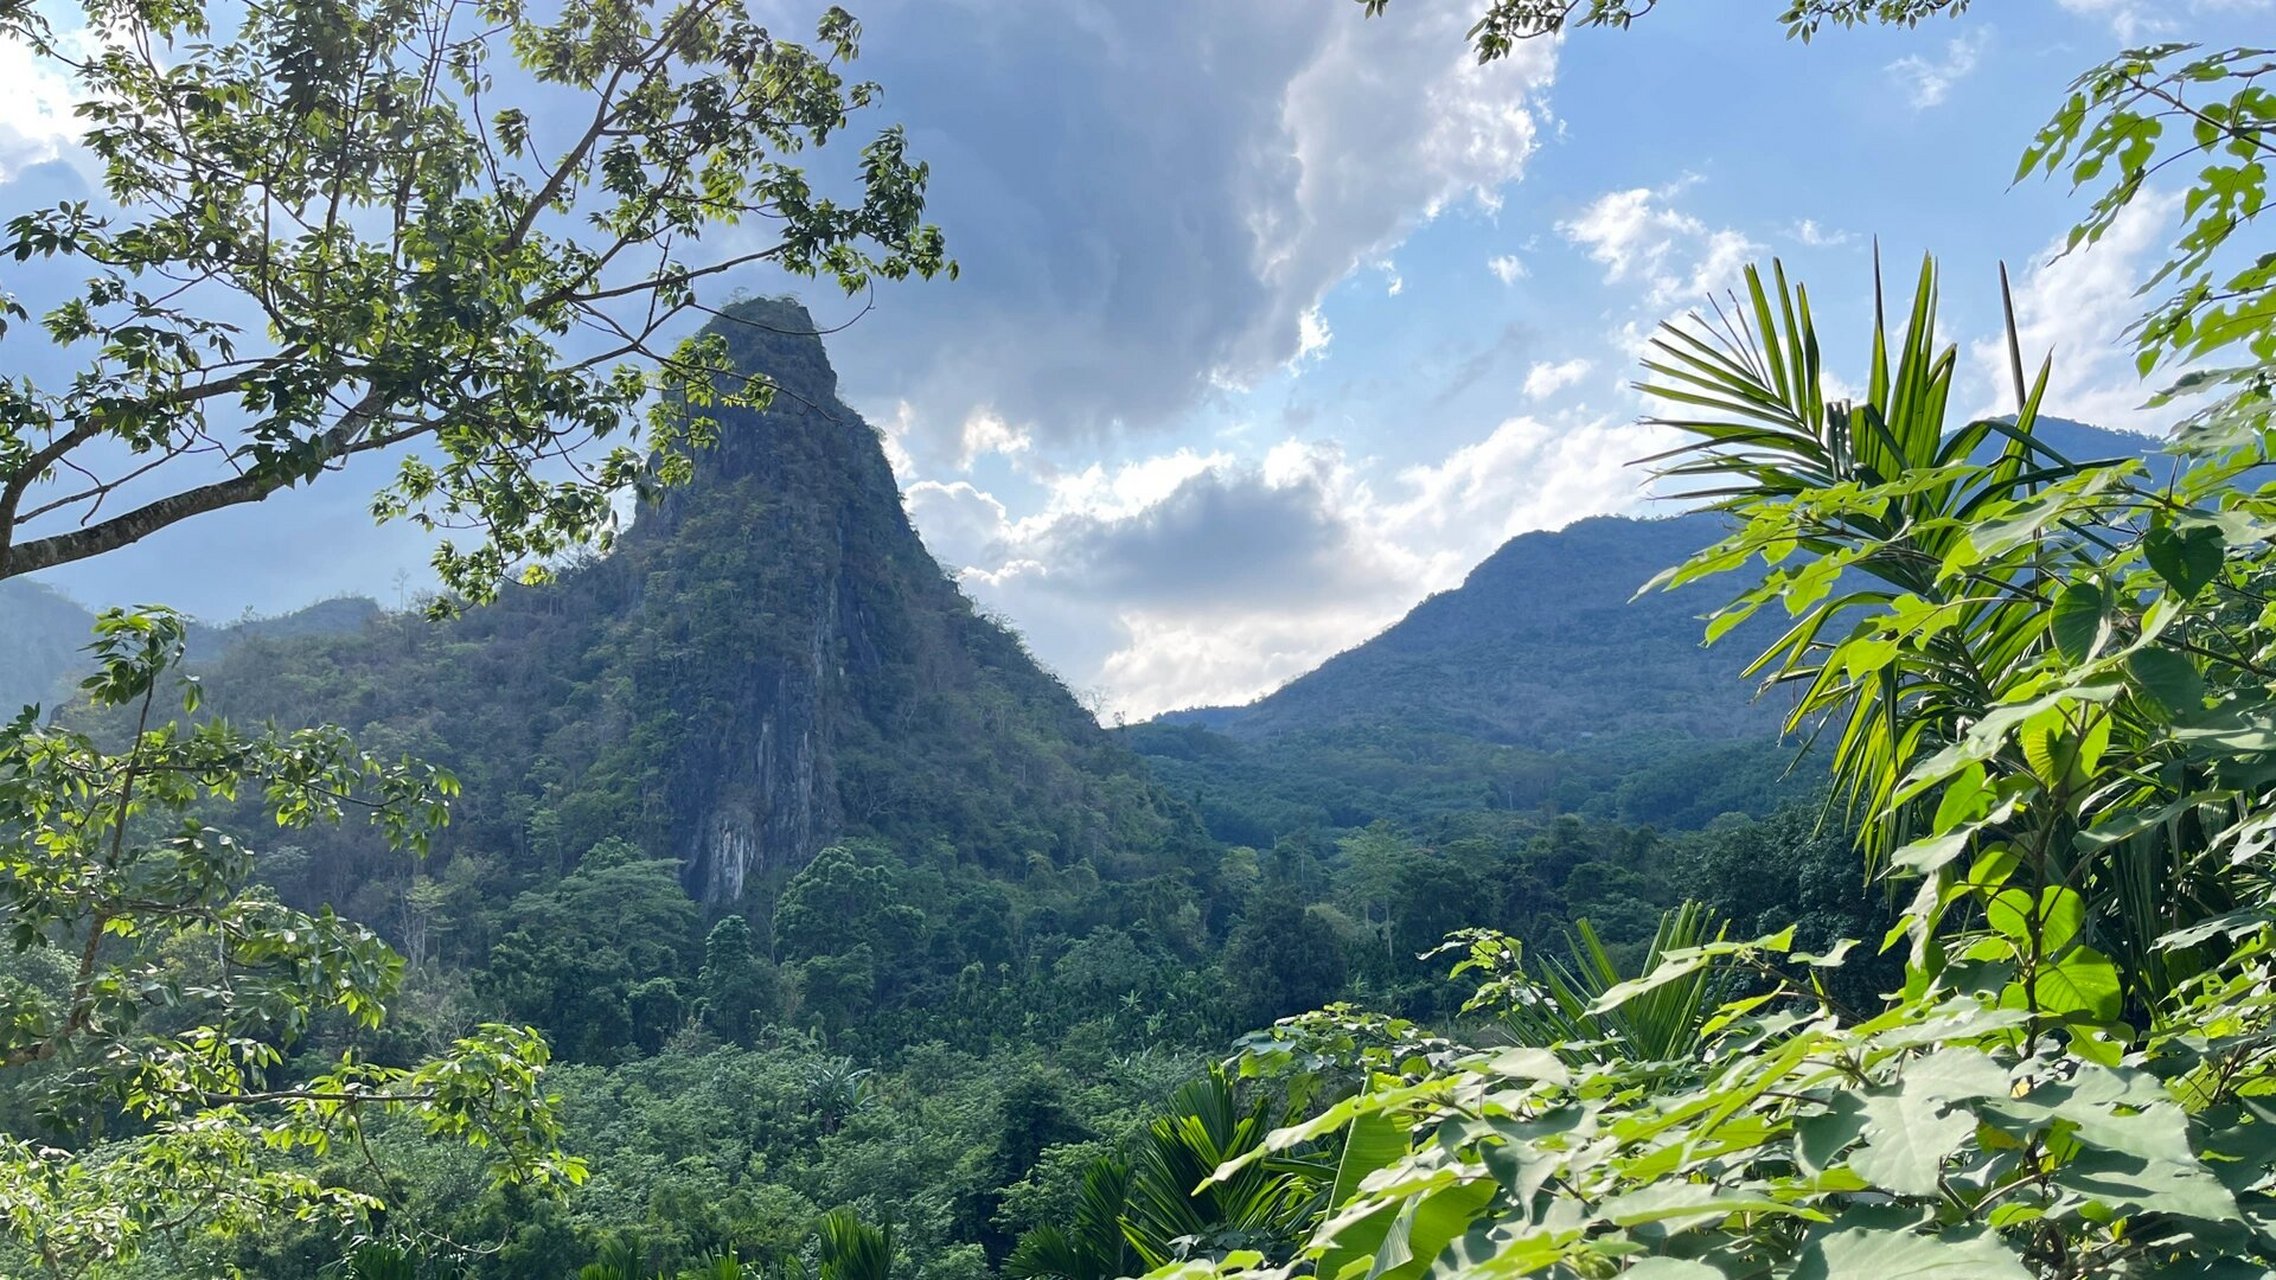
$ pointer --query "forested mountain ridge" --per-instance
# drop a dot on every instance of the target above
(44, 635)
(768, 661)
(1551, 642)
(1547, 679)
(1544, 645)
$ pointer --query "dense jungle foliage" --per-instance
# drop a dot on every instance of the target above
(739, 902)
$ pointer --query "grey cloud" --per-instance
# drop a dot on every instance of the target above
(1218, 539)
(1145, 199)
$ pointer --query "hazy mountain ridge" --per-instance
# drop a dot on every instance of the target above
(44, 635)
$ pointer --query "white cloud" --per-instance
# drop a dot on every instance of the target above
(1312, 336)
(986, 432)
(1189, 578)
(1928, 82)
(1639, 237)
(1507, 268)
(36, 121)
(1817, 237)
(2077, 306)
(1544, 380)
(2134, 20)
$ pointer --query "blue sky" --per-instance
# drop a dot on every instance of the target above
(1274, 320)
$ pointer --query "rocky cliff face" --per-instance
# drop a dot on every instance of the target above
(768, 661)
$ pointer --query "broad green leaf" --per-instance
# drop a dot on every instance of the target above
(1908, 1137)
(2055, 916)
(1678, 1204)
(1426, 1226)
(2169, 679)
(2132, 1183)
(2188, 558)
(2080, 620)
(1883, 1253)
(1955, 1074)
(2084, 983)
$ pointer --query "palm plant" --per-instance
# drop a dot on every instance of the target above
(1750, 389)
(1174, 1196)
(621, 1257)
(1562, 1003)
(838, 1091)
(379, 1260)
(1176, 1206)
(1093, 1246)
(850, 1249)
(2013, 651)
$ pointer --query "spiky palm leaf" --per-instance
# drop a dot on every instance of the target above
(1662, 1024)
(1749, 389)
(621, 1258)
(1939, 579)
(851, 1249)
(1093, 1246)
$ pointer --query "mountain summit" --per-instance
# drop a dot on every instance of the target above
(767, 662)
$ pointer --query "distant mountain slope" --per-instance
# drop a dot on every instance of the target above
(44, 636)
(1542, 646)
(41, 634)
(1542, 679)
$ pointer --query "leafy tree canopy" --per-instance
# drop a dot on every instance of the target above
(464, 235)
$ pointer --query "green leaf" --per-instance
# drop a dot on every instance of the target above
(1671, 1269)
(1688, 1202)
(2129, 1182)
(2080, 620)
(2188, 559)
(1373, 1142)
(2055, 916)
(2085, 982)
(1882, 1253)
(1908, 1136)
(2169, 679)
(1426, 1226)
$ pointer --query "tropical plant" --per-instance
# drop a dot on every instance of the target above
(379, 1260)
(622, 1257)
(1157, 1202)
(1556, 1003)
(1924, 1141)
(2038, 667)
(156, 1059)
(2048, 688)
(849, 1249)
(1093, 1245)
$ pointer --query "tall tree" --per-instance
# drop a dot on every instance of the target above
(155, 1051)
(462, 235)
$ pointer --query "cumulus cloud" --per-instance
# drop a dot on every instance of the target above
(36, 123)
(2076, 306)
(1506, 267)
(1640, 237)
(1189, 578)
(1927, 82)
(1544, 379)
(1150, 202)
